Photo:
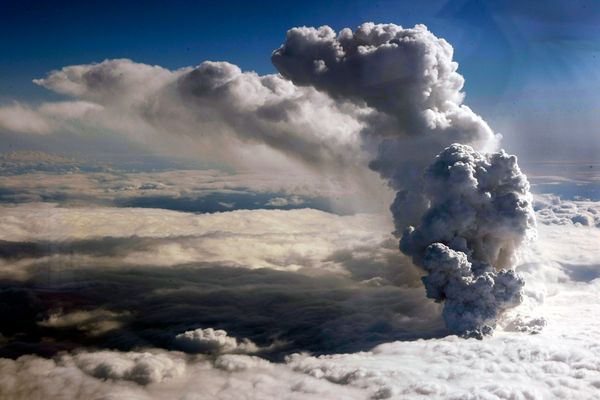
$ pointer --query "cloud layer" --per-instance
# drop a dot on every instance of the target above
(119, 328)
(132, 277)
(28, 176)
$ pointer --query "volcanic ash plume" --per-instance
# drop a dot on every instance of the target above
(382, 93)
(462, 219)
(409, 81)
(479, 214)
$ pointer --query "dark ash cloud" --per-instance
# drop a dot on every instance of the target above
(480, 212)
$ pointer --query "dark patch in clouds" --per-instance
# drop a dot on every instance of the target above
(216, 202)
(106, 246)
(582, 272)
(152, 305)
(211, 202)
(34, 176)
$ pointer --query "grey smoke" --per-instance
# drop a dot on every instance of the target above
(479, 213)
(470, 210)
(408, 77)
(399, 72)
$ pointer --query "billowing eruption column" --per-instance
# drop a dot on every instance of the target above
(462, 218)
(408, 79)
(479, 213)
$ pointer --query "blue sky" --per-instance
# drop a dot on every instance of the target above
(527, 64)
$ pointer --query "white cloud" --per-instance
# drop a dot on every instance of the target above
(513, 366)
(561, 361)
(553, 210)
(287, 240)
(282, 201)
(21, 118)
(225, 111)
(140, 367)
(36, 176)
(158, 374)
(211, 340)
(118, 79)
(94, 322)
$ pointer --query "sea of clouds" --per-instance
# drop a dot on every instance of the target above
(300, 318)
(278, 273)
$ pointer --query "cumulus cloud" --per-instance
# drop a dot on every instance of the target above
(211, 340)
(158, 374)
(94, 322)
(120, 76)
(516, 367)
(282, 201)
(215, 111)
(552, 210)
(142, 368)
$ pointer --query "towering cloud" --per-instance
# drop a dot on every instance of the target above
(398, 72)
(479, 213)
(408, 77)
(211, 340)
(471, 210)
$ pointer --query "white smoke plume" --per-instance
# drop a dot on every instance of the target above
(471, 210)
